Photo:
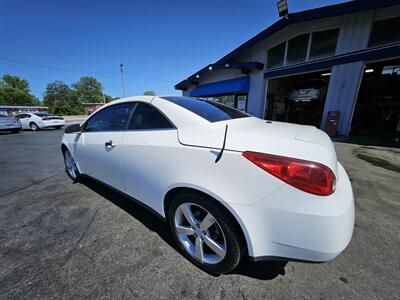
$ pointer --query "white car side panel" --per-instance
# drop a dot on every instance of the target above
(24, 123)
(99, 161)
(150, 173)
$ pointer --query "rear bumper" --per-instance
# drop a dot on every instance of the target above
(293, 225)
(51, 123)
(11, 127)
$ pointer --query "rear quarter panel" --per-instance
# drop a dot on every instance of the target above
(153, 168)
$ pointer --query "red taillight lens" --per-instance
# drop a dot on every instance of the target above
(311, 177)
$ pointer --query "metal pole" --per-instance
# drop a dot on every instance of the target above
(122, 79)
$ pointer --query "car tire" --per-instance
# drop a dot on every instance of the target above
(34, 126)
(190, 238)
(70, 166)
(57, 127)
(15, 131)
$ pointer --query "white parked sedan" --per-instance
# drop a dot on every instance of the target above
(40, 120)
(9, 124)
(226, 183)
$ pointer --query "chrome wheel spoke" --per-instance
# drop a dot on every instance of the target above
(202, 236)
(199, 252)
(214, 246)
(188, 214)
(207, 222)
(185, 230)
(70, 164)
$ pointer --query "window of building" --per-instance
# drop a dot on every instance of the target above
(226, 99)
(237, 101)
(113, 118)
(241, 102)
(276, 56)
(323, 43)
(297, 49)
(385, 32)
(146, 116)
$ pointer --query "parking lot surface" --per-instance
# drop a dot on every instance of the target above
(65, 240)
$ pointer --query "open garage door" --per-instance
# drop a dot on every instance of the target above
(377, 111)
(298, 98)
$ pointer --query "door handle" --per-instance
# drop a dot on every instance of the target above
(110, 144)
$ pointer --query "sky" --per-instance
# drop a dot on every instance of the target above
(159, 42)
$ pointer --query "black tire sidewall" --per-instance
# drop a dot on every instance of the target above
(234, 242)
(34, 124)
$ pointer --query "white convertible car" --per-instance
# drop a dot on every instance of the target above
(227, 183)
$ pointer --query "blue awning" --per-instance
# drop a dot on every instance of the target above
(237, 85)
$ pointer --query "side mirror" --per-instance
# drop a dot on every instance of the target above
(74, 128)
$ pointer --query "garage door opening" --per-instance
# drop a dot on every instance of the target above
(297, 99)
(377, 111)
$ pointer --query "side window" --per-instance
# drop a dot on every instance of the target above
(22, 116)
(113, 118)
(146, 116)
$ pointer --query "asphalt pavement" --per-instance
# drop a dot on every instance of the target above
(65, 240)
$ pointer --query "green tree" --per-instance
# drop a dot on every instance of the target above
(149, 93)
(88, 90)
(61, 99)
(15, 91)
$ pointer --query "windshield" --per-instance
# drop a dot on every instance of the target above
(209, 110)
(42, 114)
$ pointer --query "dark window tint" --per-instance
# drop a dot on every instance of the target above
(146, 116)
(113, 118)
(42, 114)
(209, 110)
(297, 49)
(323, 43)
(276, 56)
(22, 116)
(385, 32)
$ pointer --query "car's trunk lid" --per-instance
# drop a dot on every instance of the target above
(253, 134)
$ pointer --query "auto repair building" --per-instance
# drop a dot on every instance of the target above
(335, 67)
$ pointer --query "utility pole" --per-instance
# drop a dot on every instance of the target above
(122, 79)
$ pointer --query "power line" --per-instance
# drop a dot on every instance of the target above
(149, 78)
(54, 69)
(82, 71)
(56, 94)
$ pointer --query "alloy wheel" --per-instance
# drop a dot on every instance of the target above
(200, 233)
(70, 165)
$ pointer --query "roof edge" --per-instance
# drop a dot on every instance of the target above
(297, 17)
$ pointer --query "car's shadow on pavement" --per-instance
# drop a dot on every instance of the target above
(265, 270)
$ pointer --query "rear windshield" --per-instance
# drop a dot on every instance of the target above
(209, 110)
(42, 114)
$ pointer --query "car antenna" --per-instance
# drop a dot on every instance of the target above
(223, 146)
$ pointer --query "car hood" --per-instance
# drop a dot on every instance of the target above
(254, 134)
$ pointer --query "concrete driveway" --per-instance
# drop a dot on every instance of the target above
(64, 240)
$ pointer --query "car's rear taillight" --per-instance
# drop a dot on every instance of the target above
(308, 176)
